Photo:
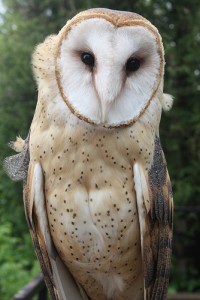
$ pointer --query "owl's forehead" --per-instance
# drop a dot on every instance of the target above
(98, 33)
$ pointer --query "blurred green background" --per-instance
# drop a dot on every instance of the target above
(24, 24)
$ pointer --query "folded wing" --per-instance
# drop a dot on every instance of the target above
(59, 280)
(155, 209)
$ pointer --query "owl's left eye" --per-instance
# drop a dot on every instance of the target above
(133, 64)
(87, 59)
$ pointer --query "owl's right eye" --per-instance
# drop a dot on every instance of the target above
(87, 59)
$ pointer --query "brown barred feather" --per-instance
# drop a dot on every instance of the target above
(158, 239)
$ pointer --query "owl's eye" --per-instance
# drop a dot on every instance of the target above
(87, 59)
(133, 64)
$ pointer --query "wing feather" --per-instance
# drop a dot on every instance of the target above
(35, 231)
(155, 209)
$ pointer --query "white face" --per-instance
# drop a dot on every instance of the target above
(108, 74)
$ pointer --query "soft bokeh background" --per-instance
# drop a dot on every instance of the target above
(24, 24)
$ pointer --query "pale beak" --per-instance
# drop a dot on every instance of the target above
(108, 83)
(105, 107)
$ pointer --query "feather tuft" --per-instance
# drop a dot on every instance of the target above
(18, 145)
(16, 166)
(167, 102)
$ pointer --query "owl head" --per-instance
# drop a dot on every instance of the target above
(108, 65)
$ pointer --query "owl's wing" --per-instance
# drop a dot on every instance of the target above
(155, 209)
(57, 277)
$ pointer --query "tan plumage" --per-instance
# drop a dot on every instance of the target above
(98, 197)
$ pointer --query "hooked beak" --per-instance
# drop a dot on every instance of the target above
(108, 83)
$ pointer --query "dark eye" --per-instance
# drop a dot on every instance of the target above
(132, 65)
(87, 59)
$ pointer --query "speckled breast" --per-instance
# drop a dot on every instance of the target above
(91, 200)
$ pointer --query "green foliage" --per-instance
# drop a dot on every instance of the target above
(26, 23)
(16, 260)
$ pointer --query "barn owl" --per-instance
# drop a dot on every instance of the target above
(97, 193)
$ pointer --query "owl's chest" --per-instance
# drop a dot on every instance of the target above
(90, 197)
(96, 161)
